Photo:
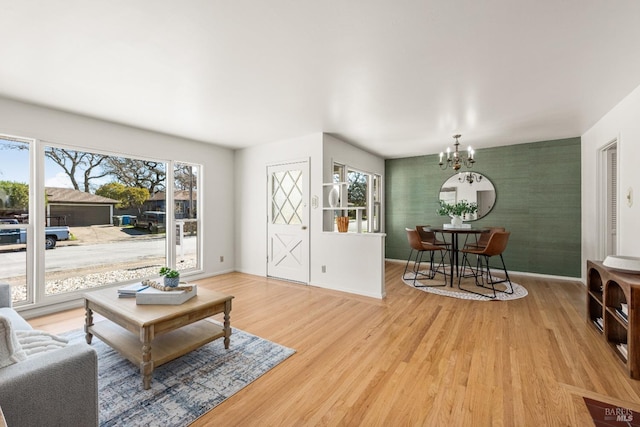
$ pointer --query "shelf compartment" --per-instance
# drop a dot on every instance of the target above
(596, 287)
(619, 288)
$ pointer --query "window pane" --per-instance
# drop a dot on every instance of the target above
(114, 208)
(14, 214)
(357, 196)
(186, 214)
(286, 192)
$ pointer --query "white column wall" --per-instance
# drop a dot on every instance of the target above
(623, 123)
(353, 262)
(53, 126)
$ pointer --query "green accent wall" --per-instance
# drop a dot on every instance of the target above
(537, 199)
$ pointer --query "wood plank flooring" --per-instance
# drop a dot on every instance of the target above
(415, 359)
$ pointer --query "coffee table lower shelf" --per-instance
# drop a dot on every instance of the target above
(165, 347)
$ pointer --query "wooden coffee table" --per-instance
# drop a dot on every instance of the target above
(150, 335)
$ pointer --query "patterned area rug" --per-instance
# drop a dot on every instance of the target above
(183, 389)
(426, 285)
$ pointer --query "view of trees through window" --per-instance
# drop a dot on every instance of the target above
(363, 197)
(113, 209)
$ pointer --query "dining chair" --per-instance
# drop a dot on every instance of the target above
(420, 247)
(481, 242)
(429, 236)
(495, 247)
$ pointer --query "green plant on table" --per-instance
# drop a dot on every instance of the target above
(457, 209)
(168, 272)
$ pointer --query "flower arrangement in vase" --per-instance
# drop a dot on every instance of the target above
(457, 211)
(171, 277)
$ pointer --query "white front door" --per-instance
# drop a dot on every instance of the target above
(288, 219)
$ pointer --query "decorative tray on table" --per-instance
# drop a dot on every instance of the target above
(628, 264)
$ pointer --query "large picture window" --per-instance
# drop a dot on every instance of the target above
(106, 219)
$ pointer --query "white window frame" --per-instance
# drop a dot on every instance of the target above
(36, 298)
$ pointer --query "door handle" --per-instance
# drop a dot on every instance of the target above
(304, 227)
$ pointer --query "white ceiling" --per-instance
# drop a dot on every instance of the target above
(395, 77)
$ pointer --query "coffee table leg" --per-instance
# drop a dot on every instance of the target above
(146, 367)
(227, 324)
(88, 321)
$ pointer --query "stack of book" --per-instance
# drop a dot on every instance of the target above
(172, 296)
(598, 322)
(623, 312)
(130, 291)
(622, 348)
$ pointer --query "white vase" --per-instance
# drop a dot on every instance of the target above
(456, 221)
(334, 196)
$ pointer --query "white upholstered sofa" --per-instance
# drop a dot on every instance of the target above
(55, 385)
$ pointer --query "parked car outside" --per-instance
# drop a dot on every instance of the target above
(151, 220)
(19, 235)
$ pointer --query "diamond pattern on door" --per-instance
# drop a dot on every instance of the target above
(286, 196)
(286, 250)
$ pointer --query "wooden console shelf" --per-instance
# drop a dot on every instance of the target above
(608, 291)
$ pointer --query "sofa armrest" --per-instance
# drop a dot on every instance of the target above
(59, 388)
(5, 295)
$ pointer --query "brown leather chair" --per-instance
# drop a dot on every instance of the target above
(484, 278)
(429, 236)
(420, 248)
(482, 241)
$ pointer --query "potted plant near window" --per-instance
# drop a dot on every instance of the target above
(171, 277)
(457, 211)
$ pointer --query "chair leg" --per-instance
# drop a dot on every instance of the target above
(467, 264)
(494, 282)
(478, 273)
(433, 271)
(406, 267)
(491, 280)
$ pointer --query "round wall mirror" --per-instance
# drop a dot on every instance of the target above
(472, 187)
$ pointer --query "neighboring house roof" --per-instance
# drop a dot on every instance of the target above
(177, 195)
(69, 195)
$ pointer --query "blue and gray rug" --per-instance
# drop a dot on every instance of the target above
(183, 389)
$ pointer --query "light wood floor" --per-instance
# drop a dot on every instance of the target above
(415, 358)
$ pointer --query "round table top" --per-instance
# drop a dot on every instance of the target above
(459, 230)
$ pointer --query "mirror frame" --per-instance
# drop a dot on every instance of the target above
(459, 179)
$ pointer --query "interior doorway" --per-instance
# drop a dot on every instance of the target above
(608, 199)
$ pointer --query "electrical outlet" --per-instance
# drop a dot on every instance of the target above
(324, 268)
(221, 258)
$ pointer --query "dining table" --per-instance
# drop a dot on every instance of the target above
(455, 232)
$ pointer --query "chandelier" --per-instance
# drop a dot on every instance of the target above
(469, 177)
(454, 160)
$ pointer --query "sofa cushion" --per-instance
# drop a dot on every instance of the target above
(17, 321)
(10, 350)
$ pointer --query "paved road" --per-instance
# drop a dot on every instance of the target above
(12, 264)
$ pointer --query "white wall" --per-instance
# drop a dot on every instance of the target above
(251, 194)
(623, 123)
(21, 119)
(347, 257)
(353, 262)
